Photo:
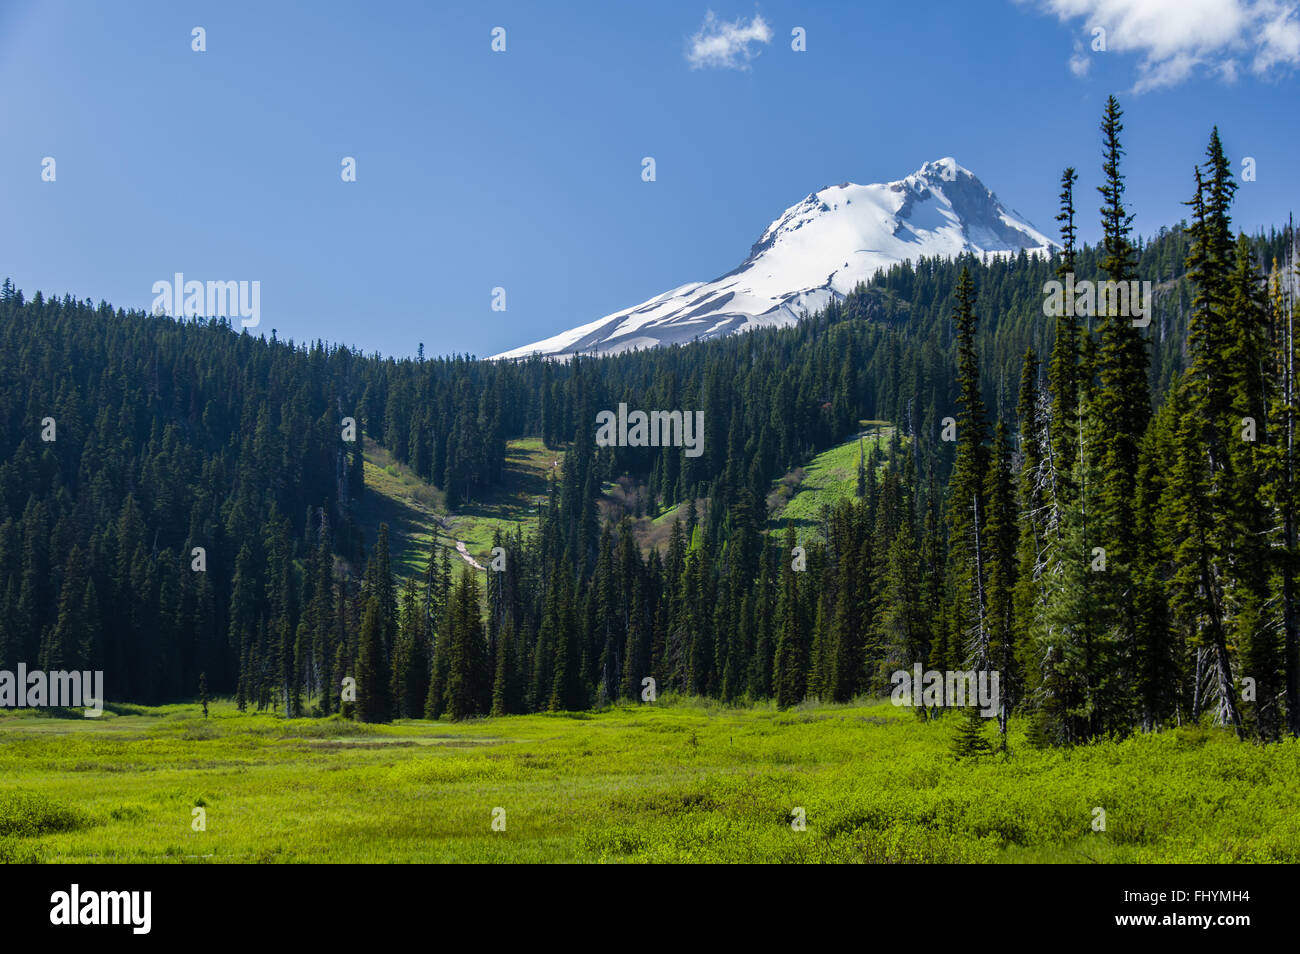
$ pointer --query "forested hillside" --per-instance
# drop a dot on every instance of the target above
(1099, 531)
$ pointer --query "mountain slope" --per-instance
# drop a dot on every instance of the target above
(415, 511)
(818, 250)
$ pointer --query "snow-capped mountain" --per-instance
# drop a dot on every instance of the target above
(816, 251)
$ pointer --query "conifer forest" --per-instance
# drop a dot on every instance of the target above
(920, 536)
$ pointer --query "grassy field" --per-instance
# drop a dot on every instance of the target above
(675, 782)
(410, 507)
(415, 510)
(831, 476)
(528, 466)
(798, 497)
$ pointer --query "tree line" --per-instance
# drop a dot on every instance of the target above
(1100, 531)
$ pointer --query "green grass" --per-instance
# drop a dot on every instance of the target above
(798, 497)
(528, 468)
(415, 510)
(410, 507)
(828, 478)
(675, 781)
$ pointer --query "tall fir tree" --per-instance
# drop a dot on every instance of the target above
(967, 509)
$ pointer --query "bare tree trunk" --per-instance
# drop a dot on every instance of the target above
(1228, 714)
(1198, 681)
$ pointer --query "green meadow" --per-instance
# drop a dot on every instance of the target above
(829, 478)
(415, 511)
(677, 781)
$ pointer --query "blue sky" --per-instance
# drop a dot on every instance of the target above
(522, 169)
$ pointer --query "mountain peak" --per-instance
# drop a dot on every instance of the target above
(945, 170)
(816, 252)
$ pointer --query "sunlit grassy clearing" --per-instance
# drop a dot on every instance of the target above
(828, 478)
(666, 782)
(415, 511)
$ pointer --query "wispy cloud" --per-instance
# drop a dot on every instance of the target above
(727, 45)
(1177, 39)
(1080, 62)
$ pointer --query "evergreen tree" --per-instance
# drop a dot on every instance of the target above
(373, 701)
(1117, 418)
(1063, 373)
(1002, 538)
(967, 505)
(969, 741)
(1198, 506)
(1282, 486)
(789, 663)
(469, 678)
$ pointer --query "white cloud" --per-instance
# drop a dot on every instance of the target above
(1080, 62)
(1156, 73)
(727, 45)
(1177, 38)
(1279, 40)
